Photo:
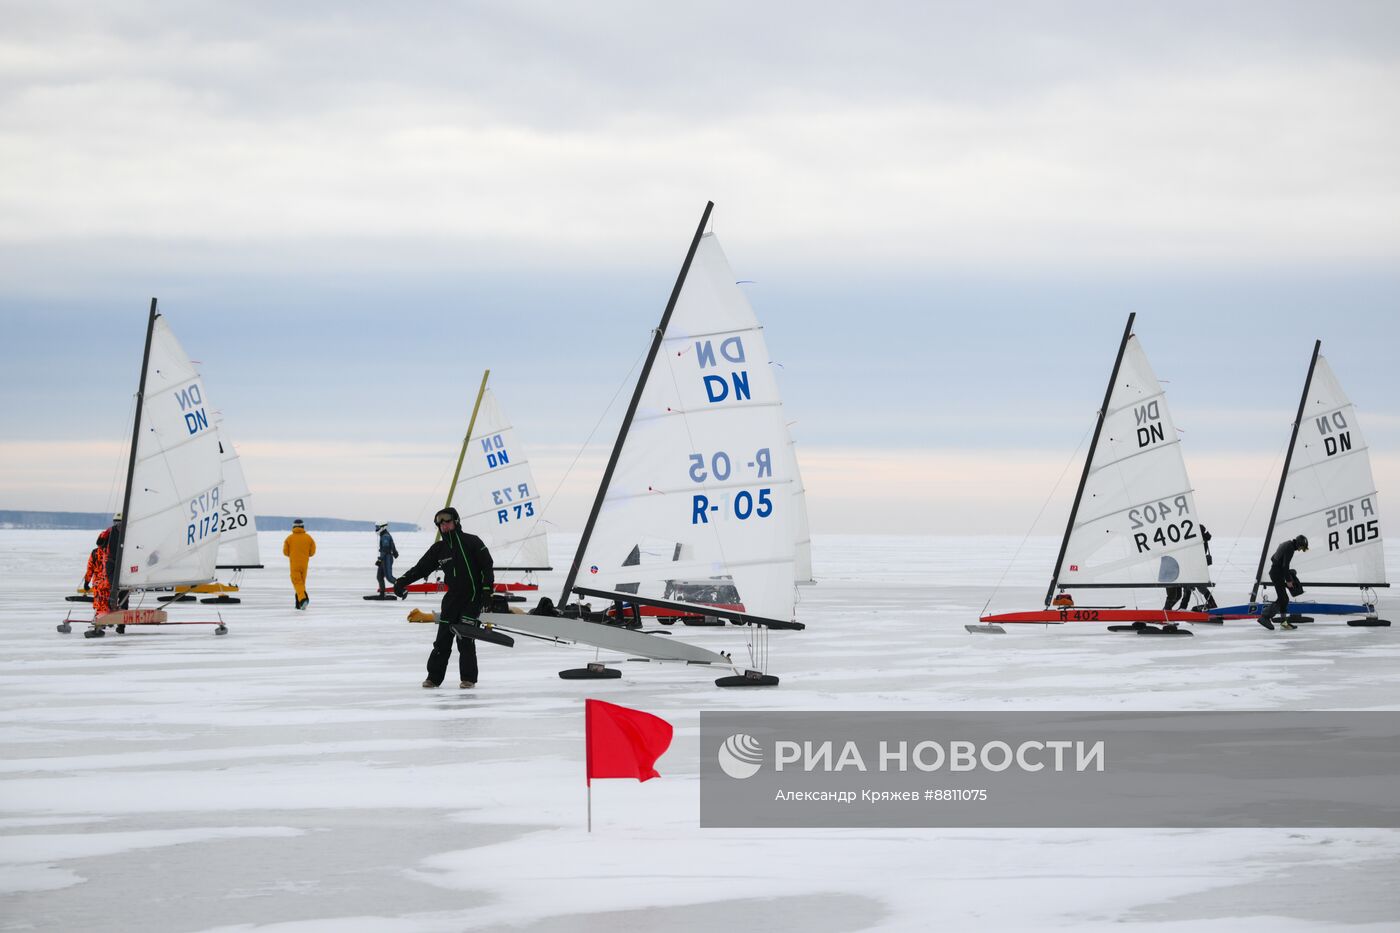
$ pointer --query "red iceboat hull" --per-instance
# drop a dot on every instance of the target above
(1061, 616)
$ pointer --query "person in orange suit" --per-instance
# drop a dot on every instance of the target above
(96, 575)
(299, 548)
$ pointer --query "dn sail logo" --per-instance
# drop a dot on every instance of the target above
(740, 756)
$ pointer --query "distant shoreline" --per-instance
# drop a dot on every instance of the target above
(23, 520)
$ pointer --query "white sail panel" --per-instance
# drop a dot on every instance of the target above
(496, 493)
(701, 505)
(238, 531)
(802, 555)
(1137, 523)
(1329, 494)
(172, 522)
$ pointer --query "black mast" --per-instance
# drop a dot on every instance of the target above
(1089, 458)
(131, 462)
(1283, 477)
(656, 338)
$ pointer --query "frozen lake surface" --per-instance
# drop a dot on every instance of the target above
(294, 776)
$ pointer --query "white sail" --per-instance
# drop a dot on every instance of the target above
(172, 521)
(701, 506)
(1329, 494)
(238, 531)
(1137, 523)
(802, 554)
(496, 494)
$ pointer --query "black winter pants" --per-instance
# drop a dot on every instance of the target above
(1278, 607)
(454, 609)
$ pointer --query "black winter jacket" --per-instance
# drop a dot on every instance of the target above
(1282, 560)
(466, 565)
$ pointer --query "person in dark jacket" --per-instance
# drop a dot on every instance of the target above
(466, 565)
(1280, 567)
(384, 566)
(1183, 593)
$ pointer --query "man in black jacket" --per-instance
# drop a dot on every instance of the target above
(1280, 566)
(467, 568)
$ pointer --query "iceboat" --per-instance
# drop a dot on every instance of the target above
(1134, 523)
(701, 474)
(1326, 492)
(174, 487)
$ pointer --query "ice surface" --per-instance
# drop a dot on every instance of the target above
(292, 775)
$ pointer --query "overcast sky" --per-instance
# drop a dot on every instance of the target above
(944, 212)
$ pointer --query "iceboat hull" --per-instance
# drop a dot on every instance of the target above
(1062, 616)
(607, 637)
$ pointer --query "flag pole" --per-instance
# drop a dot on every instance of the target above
(590, 806)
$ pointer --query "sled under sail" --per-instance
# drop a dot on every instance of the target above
(695, 513)
(1134, 521)
(1327, 493)
(174, 482)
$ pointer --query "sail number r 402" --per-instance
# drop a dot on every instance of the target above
(1160, 514)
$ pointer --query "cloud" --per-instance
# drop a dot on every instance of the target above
(887, 139)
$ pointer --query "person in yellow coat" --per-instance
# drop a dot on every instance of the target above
(299, 548)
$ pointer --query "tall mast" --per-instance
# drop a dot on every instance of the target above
(471, 425)
(131, 461)
(1283, 477)
(656, 338)
(1089, 459)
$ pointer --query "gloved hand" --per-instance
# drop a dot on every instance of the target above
(401, 588)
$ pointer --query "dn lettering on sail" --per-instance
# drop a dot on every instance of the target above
(718, 387)
(1149, 424)
(1336, 433)
(191, 401)
(495, 450)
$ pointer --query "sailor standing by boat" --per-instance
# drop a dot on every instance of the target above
(1280, 568)
(1183, 593)
(384, 566)
(466, 564)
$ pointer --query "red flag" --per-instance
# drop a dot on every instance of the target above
(622, 742)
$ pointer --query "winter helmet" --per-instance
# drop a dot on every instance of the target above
(444, 514)
(382, 526)
(117, 517)
(298, 523)
(1302, 542)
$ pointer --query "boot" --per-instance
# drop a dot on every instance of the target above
(428, 684)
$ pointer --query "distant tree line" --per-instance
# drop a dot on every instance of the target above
(96, 521)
